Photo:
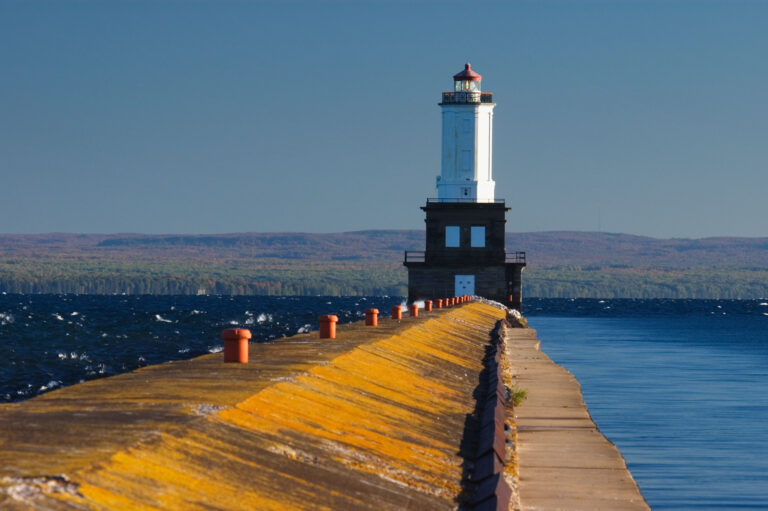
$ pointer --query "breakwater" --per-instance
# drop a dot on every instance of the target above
(378, 418)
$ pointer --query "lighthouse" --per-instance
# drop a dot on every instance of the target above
(467, 142)
(465, 243)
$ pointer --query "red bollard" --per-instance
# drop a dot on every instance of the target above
(428, 306)
(328, 326)
(439, 303)
(371, 317)
(413, 310)
(236, 344)
(397, 312)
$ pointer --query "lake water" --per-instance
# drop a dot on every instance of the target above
(681, 386)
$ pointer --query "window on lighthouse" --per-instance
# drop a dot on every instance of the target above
(477, 236)
(452, 236)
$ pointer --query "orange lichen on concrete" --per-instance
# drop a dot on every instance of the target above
(371, 420)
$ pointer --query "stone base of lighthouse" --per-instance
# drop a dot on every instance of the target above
(465, 254)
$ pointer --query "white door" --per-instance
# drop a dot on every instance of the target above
(465, 285)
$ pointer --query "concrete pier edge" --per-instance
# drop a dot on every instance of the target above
(561, 459)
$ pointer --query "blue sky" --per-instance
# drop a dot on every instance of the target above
(644, 117)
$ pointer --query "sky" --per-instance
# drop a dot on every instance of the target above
(641, 117)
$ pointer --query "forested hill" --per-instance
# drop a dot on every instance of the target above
(566, 263)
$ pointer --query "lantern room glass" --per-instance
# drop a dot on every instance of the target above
(466, 86)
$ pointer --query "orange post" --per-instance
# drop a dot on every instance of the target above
(236, 344)
(413, 310)
(439, 303)
(428, 306)
(371, 317)
(328, 326)
(397, 312)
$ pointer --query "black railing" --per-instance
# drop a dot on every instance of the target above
(461, 199)
(414, 256)
(515, 257)
(467, 97)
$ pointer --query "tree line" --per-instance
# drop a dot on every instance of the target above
(310, 278)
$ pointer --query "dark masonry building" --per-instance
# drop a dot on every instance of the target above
(465, 247)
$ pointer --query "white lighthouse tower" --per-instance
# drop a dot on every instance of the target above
(467, 155)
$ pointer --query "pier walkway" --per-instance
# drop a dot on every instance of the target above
(565, 463)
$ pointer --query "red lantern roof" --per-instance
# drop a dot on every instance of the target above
(467, 74)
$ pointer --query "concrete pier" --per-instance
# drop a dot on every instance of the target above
(373, 419)
(564, 462)
(380, 418)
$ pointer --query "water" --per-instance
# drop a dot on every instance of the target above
(681, 386)
(48, 341)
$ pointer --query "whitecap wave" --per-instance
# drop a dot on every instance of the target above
(50, 385)
(56, 315)
(264, 318)
(303, 330)
(158, 317)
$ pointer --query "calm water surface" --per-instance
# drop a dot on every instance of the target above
(681, 389)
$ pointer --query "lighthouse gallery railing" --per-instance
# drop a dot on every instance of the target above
(419, 256)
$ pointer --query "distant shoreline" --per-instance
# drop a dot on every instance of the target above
(561, 264)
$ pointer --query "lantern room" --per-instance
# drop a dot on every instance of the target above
(467, 80)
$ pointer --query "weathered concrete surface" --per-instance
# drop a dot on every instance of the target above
(371, 420)
(564, 462)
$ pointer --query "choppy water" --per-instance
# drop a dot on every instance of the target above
(681, 386)
(47, 341)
